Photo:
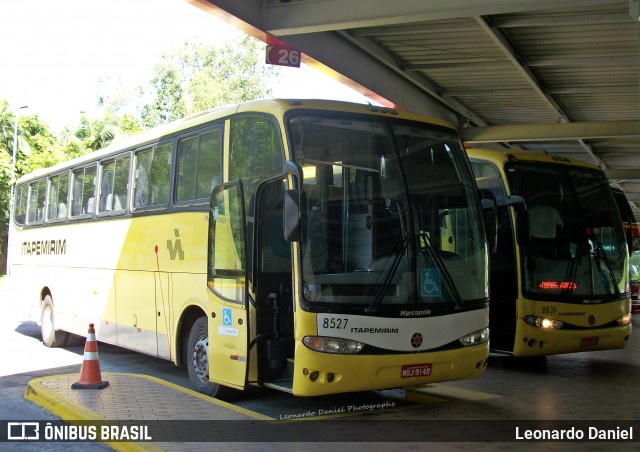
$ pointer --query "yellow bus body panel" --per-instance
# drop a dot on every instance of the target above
(135, 292)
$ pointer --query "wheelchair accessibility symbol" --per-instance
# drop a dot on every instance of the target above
(430, 283)
(226, 317)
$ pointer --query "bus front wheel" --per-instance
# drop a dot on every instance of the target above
(198, 363)
(50, 337)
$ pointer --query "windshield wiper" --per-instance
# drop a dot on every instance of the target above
(600, 253)
(572, 268)
(382, 289)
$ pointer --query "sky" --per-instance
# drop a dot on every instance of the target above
(52, 53)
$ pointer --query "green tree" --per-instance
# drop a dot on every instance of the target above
(6, 146)
(199, 76)
(35, 148)
(44, 149)
(97, 133)
(129, 126)
(168, 103)
(194, 77)
(93, 134)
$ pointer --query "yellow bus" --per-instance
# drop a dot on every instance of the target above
(560, 266)
(311, 246)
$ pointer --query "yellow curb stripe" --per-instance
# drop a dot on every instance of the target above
(422, 398)
(57, 404)
(69, 411)
(443, 393)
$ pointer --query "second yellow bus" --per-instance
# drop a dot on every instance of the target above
(560, 265)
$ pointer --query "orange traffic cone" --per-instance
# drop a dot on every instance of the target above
(90, 372)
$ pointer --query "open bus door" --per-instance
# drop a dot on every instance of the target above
(227, 282)
(272, 345)
(279, 220)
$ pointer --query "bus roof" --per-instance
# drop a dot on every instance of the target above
(500, 156)
(274, 106)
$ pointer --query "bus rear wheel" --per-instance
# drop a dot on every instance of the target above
(198, 363)
(50, 336)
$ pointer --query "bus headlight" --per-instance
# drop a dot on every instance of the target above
(475, 338)
(543, 322)
(624, 320)
(333, 345)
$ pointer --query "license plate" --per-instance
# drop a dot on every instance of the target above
(415, 370)
(589, 341)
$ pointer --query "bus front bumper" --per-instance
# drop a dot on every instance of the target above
(538, 341)
(317, 373)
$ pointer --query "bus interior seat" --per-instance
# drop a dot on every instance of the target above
(117, 203)
(62, 211)
(108, 205)
(543, 221)
(113, 202)
(91, 205)
(276, 255)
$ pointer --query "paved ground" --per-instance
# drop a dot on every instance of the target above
(575, 391)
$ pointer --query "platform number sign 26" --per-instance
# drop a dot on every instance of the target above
(283, 56)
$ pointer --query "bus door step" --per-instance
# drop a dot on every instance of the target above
(284, 385)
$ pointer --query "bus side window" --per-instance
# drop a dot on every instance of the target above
(20, 208)
(208, 162)
(152, 171)
(84, 183)
(58, 197)
(37, 193)
(143, 168)
(89, 189)
(160, 175)
(106, 186)
(121, 183)
(187, 157)
(198, 163)
(115, 181)
(76, 200)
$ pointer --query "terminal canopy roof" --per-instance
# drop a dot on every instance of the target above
(559, 76)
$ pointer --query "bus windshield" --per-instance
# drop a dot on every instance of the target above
(576, 244)
(390, 215)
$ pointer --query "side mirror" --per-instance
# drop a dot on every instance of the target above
(522, 219)
(294, 217)
(490, 219)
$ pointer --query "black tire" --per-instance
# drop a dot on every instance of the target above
(50, 336)
(197, 360)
